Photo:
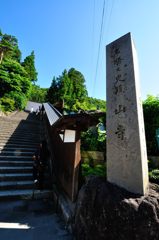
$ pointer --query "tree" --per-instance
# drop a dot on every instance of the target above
(53, 94)
(151, 119)
(78, 81)
(15, 78)
(29, 65)
(70, 87)
(38, 94)
(96, 104)
(9, 47)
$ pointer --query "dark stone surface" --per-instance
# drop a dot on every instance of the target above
(105, 211)
(31, 220)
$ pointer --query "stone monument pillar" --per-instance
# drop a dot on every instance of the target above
(127, 164)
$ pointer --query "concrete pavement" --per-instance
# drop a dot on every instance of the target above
(31, 220)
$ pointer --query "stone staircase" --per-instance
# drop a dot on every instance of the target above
(20, 134)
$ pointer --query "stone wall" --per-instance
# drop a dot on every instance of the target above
(105, 211)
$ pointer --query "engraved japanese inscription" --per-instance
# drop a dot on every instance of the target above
(126, 146)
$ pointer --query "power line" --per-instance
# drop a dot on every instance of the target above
(109, 18)
(92, 45)
(100, 39)
(107, 28)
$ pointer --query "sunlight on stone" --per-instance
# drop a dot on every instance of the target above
(14, 225)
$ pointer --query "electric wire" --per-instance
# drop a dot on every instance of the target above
(92, 47)
(107, 27)
(99, 46)
(108, 21)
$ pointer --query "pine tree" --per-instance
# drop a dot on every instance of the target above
(9, 47)
(29, 65)
(68, 87)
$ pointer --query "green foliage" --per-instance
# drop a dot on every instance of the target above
(151, 119)
(98, 170)
(20, 99)
(150, 165)
(38, 94)
(94, 139)
(89, 140)
(9, 47)
(153, 171)
(96, 104)
(15, 78)
(154, 176)
(78, 82)
(53, 93)
(7, 104)
(29, 66)
(70, 87)
(101, 141)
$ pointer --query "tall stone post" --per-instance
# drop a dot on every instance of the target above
(127, 164)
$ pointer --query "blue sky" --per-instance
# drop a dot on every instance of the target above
(66, 33)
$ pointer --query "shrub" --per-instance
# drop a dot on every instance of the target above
(151, 119)
(19, 98)
(98, 170)
(94, 139)
(154, 176)
(7, 104)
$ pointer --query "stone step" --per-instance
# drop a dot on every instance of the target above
(18, 134)
(19, 138)
(25, 194)
(20, 129)
(9, 127)
(16, 169)
(14, 122)
(14, 128)
(15, 176)
(22, 158)
(20, 149)
(16, 163)
(16, 185)
(20, 142)
(15, 153)
(16, 141)
(18, 121)
(18, 145)
(10, 122)
(22, 135)
(22, 125)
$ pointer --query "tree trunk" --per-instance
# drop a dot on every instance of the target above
(1, 56)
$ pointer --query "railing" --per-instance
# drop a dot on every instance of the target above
(65, 155)
(52, 113)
